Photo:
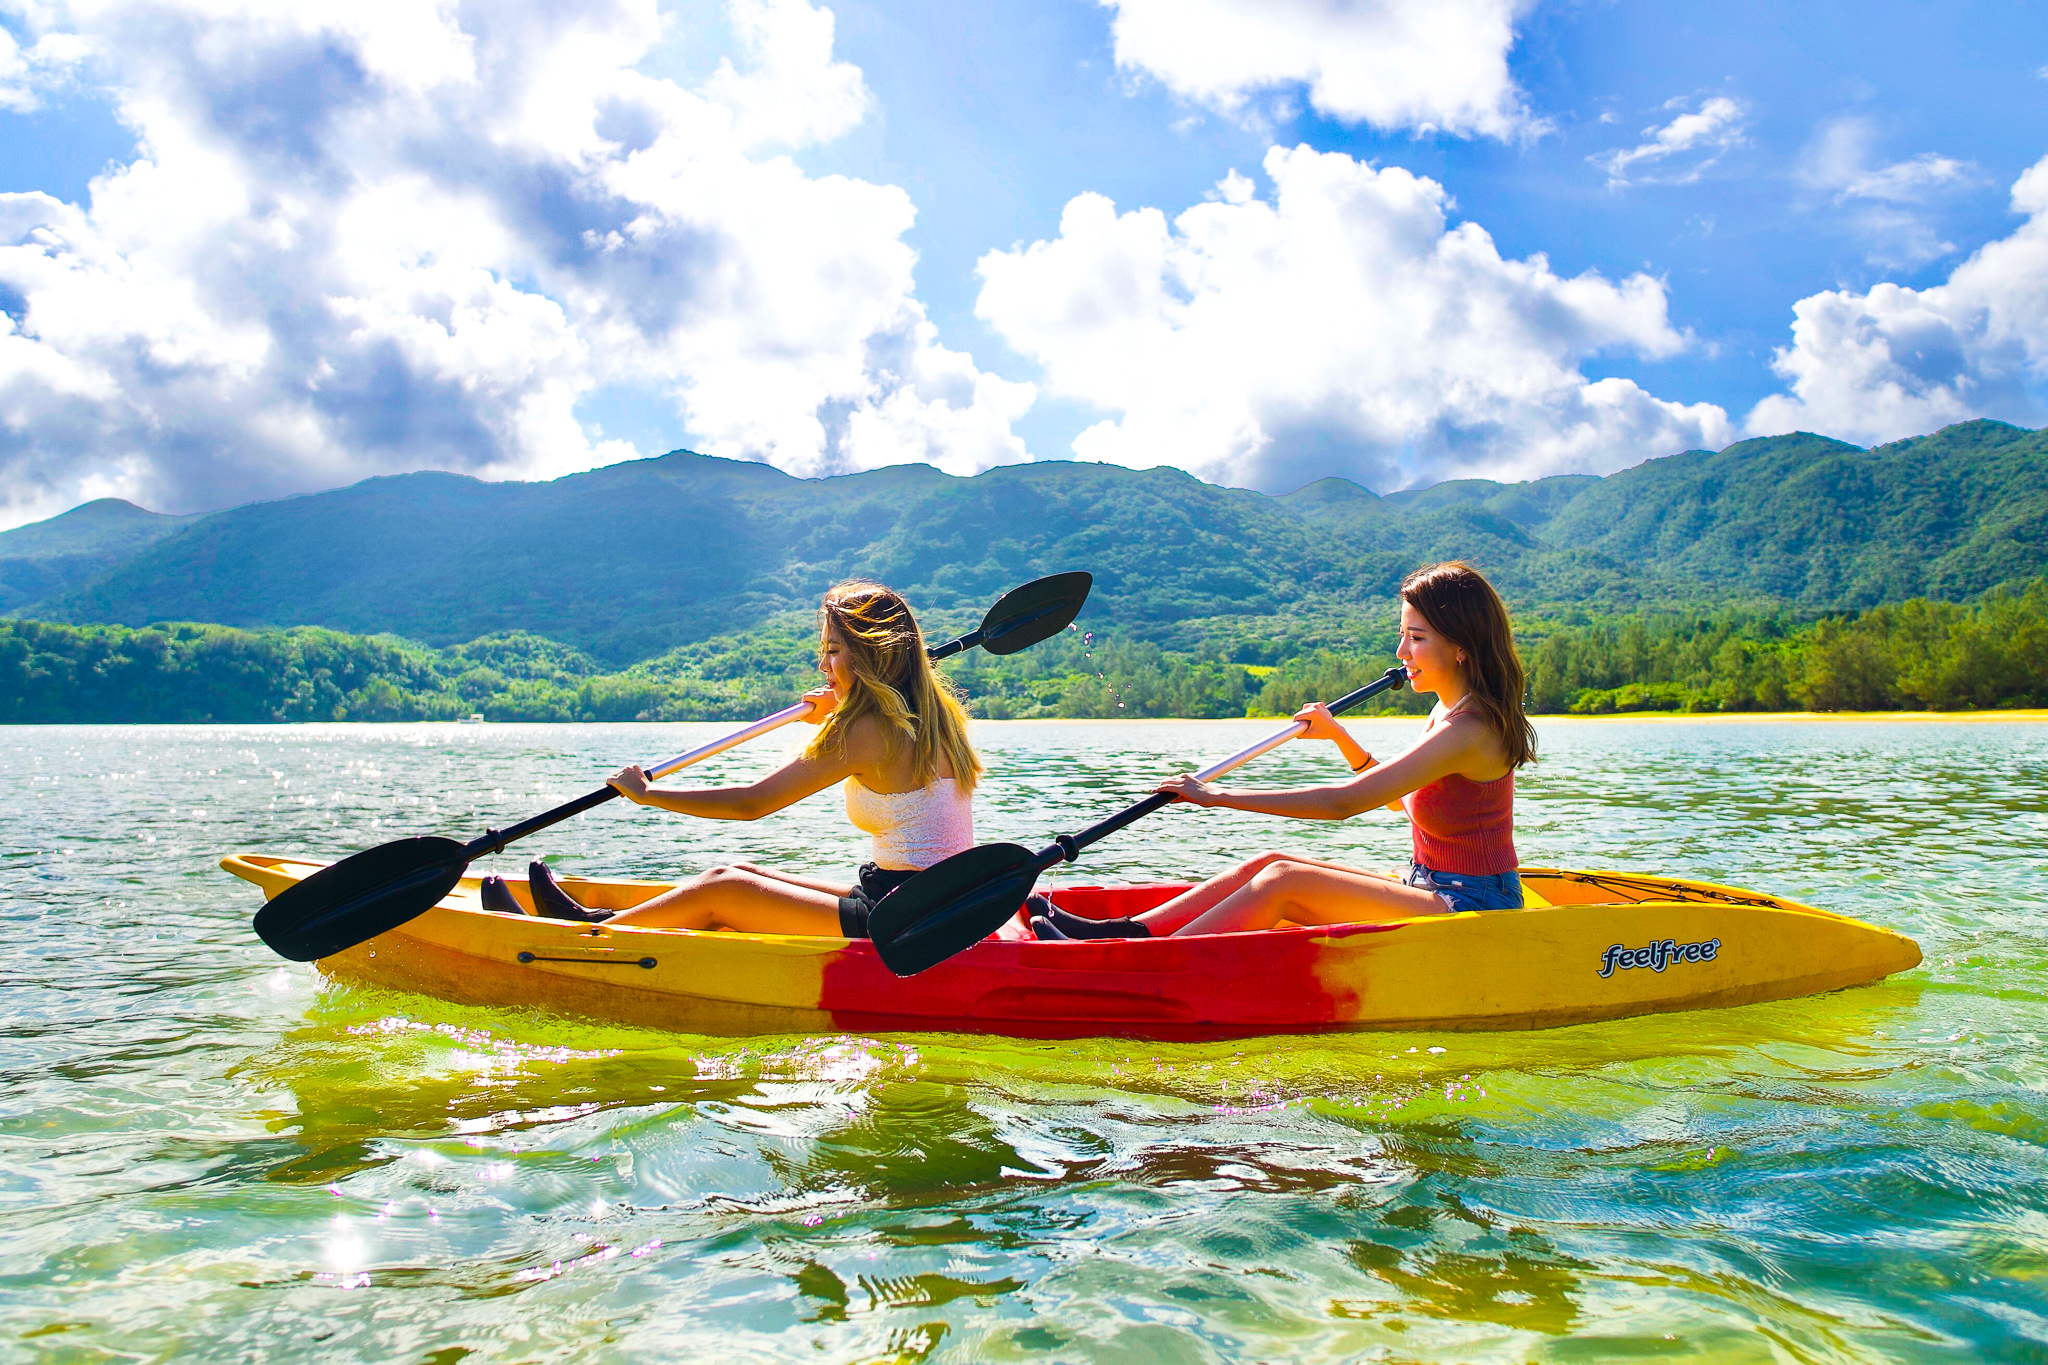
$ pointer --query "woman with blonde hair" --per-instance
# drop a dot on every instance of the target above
(1456, 784)
(890, 727)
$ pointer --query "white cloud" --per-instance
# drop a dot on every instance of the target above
(793, 94)
(1894, 362)
(1341, 328)
(370, 237)
(1884, 204)
(1908, 182)
(1698, 138)
(1427, 65)
(27, 74)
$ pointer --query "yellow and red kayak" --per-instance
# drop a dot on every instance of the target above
(1589, 946)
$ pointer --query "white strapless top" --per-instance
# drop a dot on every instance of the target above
(913, 829)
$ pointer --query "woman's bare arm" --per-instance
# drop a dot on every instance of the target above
(1323, 725)
(1440, 753)
(802, 776)
(787, 785)
(1319, 723)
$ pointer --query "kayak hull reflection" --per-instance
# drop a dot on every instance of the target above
(1591, 946)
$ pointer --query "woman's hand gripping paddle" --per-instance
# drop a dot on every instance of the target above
(379, 889)
(951, 906)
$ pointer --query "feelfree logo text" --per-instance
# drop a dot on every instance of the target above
(1657, 955)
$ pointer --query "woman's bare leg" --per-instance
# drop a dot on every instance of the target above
(745, 899)
(1311, 894)
(1167, 918)
(814, 883)
(1172, 916)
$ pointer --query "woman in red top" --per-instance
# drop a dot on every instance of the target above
(1456, 783)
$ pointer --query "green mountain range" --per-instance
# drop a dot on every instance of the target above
(626, 562)
(1789, 571)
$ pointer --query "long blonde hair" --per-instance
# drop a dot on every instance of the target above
(895, 683)
(1462, 606)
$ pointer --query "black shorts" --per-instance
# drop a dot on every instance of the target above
(874, 884)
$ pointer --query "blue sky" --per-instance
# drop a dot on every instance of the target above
(518, 244)
(1027, 109)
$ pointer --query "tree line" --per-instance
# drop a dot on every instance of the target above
(1921, 654)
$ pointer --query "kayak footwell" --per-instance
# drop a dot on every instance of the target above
(1592, 946)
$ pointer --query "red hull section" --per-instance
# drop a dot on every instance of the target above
(1209, 986)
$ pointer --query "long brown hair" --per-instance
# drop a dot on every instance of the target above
(895, 683)
(1460, 605)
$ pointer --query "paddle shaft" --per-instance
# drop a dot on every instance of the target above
(1067, 847)
(494, 840)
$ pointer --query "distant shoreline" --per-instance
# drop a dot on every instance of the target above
(2035, 715)
(1719, 717)
(1820, 716)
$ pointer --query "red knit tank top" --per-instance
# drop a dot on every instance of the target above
(1459, 825)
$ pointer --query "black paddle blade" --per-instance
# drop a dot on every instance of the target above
(1037, 611)
(359, 898)
(950, 906)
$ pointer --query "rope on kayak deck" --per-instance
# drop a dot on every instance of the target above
(1630, 886)
(595, 961)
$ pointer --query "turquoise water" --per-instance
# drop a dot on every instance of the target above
(208, 1154)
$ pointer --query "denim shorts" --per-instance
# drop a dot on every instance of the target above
(1464, 891)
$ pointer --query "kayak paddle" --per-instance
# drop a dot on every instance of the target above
(381, 888)
(953, 905)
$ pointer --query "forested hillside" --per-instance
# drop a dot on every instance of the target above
(1797, 520)
(1917, 654)
(1792, 571)
(628, 562)
(44, 560)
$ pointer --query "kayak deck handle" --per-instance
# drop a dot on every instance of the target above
(647, 962)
